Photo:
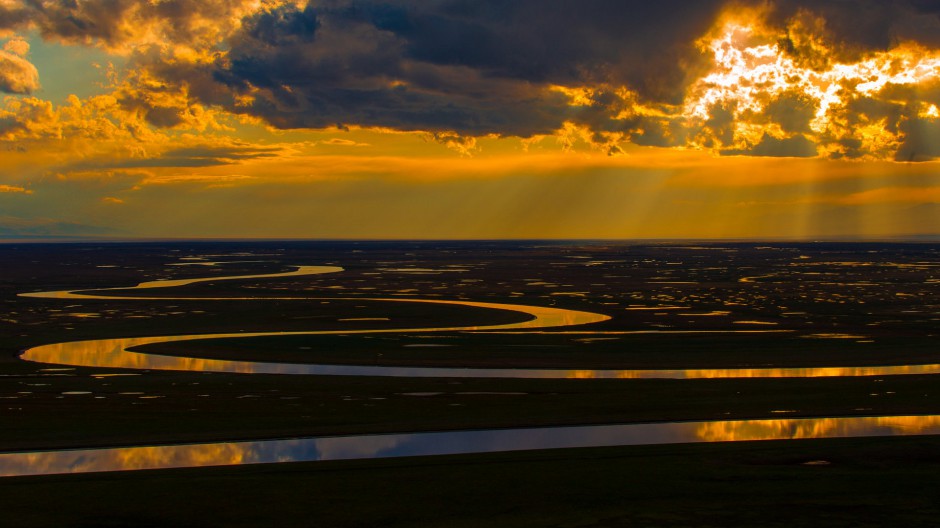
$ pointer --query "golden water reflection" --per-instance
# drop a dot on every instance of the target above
(67, 294)
(454, 442)
(114, 353)
(817, 428)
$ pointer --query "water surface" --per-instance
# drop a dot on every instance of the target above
(453, 442)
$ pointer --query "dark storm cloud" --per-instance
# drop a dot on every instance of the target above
(860, 26)
(13, 17)
(283, 25)
(792, 111)
(474, 67)
(477, 67)
(482, 67)
(793, 147)
(920, 140)
(115, 23)
(641, 44)
(721, 123)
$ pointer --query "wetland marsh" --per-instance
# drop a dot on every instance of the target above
(461, 337)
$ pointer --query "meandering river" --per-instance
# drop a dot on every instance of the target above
(115, 353)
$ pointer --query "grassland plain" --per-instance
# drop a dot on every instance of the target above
(848, 304)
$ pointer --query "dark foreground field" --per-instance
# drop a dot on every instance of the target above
(834, 305)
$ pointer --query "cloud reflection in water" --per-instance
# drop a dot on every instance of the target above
(453, 442)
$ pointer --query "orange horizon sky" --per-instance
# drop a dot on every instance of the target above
(458, 119)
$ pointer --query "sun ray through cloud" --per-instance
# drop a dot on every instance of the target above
(756, 98)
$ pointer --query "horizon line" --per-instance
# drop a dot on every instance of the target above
(906, 238)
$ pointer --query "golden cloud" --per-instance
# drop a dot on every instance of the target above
(912, 195)
(14, 189)
(17, 75)
(339, 142)
(770, 92)
(17, 46)
(780, 92)
(756, 88)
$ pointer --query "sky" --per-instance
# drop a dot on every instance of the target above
(426, 119)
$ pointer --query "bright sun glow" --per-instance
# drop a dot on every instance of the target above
(750, 74)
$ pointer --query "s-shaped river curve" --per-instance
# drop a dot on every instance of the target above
(115, 353)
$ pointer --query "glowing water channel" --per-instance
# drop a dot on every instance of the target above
(115, 353)
(450, 443)
(67, 294)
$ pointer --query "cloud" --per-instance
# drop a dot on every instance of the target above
(856, 28)
(126, 26)
(470, 68)
(792, 111)
(210, 179)
(195, 156)
(792, 147)
(23, 119)
(14, 189)
(339, 142)
(743, 77)
(624, 71)
(913, 195)
(17, 46)
(920, 139)
(17, 75)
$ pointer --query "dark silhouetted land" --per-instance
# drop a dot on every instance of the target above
(838, 304)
